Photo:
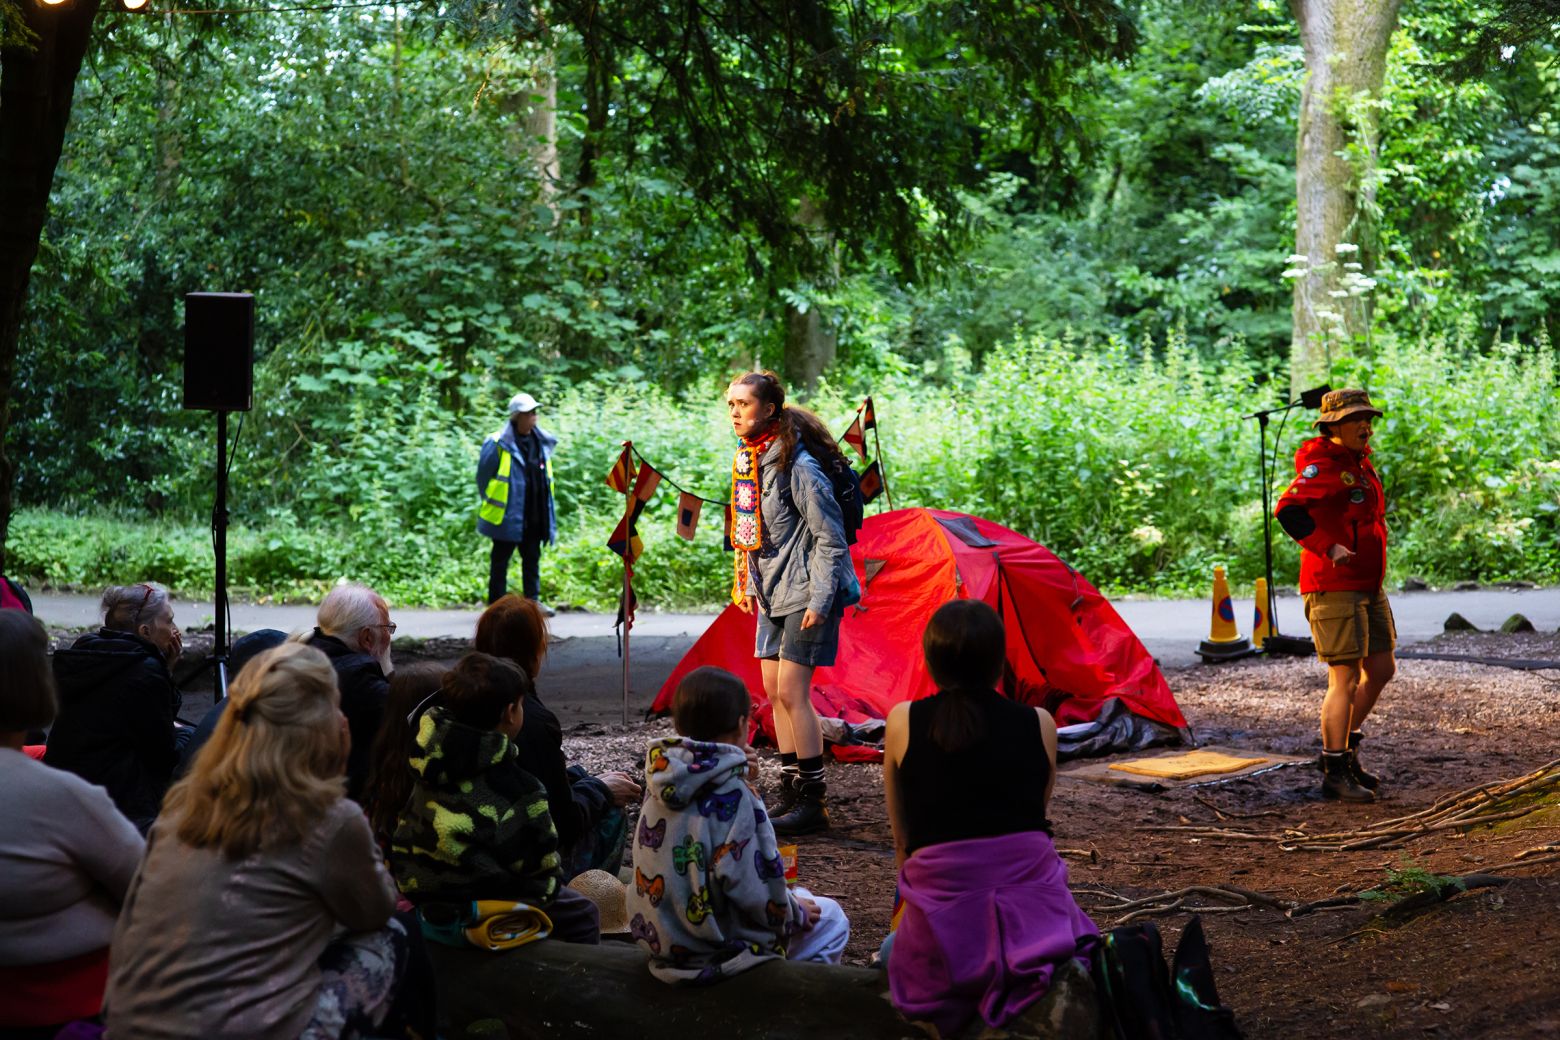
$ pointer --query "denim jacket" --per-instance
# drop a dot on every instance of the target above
(804, 563)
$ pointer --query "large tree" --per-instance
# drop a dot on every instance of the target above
(1345, 45)
(815, 128)
(39, 61)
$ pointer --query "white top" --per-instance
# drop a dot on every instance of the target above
(66, 857)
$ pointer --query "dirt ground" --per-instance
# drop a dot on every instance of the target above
(1483, 964)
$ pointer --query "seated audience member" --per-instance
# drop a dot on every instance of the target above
(587, 810)
(476, 826)
(353, 628)
(709, 897)
(263, 906)
(967, 775)
(66, 854)
(118, 704)
(244, 648)
(390, 774)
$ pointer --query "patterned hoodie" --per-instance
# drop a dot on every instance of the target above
(476, 825)
(709, 897)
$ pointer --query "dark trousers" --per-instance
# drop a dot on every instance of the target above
(530, 568)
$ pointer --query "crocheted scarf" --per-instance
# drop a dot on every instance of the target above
(747, 525)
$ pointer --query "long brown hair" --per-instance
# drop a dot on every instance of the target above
(793, 422)
(391, 779)
(965, 646)
(273, 766)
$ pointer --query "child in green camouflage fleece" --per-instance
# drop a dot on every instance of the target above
(476, 826)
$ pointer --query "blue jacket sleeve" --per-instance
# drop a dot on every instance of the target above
(814, 498)
(487, 464)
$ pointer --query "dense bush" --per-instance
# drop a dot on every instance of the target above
(1132, 464)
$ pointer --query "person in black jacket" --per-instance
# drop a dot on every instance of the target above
(353, 628)
(118, 705)
(586, 810)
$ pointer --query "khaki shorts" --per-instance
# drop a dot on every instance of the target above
(1347, 626)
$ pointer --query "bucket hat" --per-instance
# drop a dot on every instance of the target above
(1338, 405)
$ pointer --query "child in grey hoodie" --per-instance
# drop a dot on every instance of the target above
(709, 897)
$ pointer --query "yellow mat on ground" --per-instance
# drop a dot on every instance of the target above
(1192, 763)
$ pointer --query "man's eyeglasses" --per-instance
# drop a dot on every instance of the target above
(390, 625)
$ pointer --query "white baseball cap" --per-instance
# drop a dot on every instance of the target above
(522, 404)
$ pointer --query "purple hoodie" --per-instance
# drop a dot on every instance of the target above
(985, 923)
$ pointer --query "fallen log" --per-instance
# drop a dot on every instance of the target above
(551, 989)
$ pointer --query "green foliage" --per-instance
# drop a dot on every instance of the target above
(1132, 464)
(1407, 879)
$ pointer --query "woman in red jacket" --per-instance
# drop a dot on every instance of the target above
(1336, 511)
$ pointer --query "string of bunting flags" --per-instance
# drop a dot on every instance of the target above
(634, 477)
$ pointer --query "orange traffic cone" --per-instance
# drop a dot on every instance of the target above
(1261, 624)
(1224, 642)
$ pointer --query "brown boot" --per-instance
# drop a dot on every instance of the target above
(1338, 781)
(1367, 780)
(811, 813)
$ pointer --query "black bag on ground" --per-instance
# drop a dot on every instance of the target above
(1139, 999)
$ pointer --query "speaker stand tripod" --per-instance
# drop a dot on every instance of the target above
(1276, 643)
(219, 525)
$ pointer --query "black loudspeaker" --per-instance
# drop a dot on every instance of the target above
(219, 351)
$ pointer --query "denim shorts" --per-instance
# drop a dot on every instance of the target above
(785, 638)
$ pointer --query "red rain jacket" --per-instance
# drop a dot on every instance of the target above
(1336, 499)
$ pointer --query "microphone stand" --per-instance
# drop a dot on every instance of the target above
(1276, 643)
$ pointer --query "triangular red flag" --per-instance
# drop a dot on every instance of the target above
(688, 507)
(871, 483)
(622, 474)
(856, 439)
(868, 419)
(647, 482)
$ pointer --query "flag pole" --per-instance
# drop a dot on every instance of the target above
(628, 552)
(877, 444)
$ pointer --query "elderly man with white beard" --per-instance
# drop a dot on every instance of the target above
(354, 630)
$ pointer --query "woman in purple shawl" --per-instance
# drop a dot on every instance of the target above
(987, 915)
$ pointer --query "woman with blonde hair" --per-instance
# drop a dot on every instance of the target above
(262, 907)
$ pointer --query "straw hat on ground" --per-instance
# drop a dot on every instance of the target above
(610, 896)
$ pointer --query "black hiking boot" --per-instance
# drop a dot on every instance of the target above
(811, 813)
(1364, 779)
(785, 795)
(1338, 780)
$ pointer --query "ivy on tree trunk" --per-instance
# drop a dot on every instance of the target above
(1345, 45)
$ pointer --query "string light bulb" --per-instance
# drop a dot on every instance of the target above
(54, 3)
(133, 5)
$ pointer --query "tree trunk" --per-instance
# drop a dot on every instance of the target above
(541, 128)
(37, 86)
(550, 988)
(810, 344)
(1345, 44)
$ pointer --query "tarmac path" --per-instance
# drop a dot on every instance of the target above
(584, 669)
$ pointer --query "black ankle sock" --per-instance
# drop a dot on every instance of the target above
(788, 762)
(811, 769)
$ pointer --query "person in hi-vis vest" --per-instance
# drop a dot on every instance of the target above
(515, 505)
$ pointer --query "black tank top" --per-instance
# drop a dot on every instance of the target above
(994, 786)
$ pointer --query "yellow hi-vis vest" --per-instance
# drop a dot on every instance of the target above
(495, 500)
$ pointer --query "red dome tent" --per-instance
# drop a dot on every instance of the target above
(1068, 649)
